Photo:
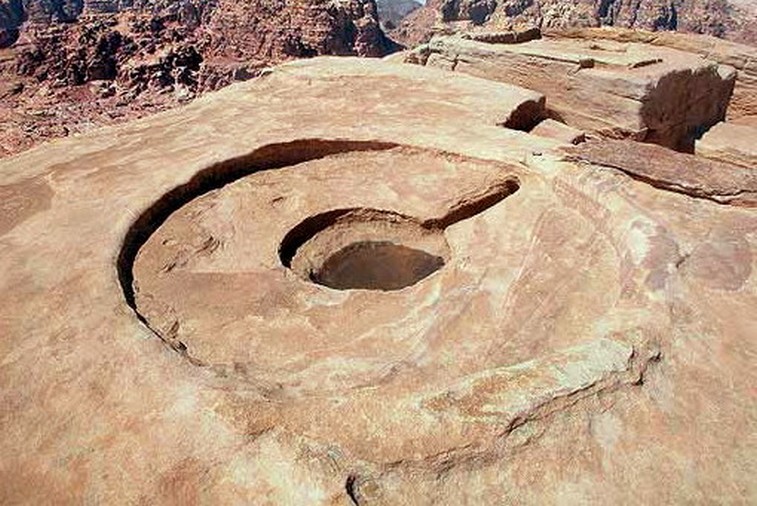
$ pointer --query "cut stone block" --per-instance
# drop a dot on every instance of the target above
(616, 89)
(559, 131)
(733, 142)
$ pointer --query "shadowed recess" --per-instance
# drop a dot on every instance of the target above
(375, 249)
(272, 156)
(376, 265)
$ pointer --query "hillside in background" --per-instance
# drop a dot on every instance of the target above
(69, 65)
(392, 12)
(730, 19)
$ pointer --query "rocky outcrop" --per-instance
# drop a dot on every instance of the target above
(738, 56)
(138, 56)
(733, 19)
(392, 12)
(614, 89)
(724, 183)
(734, 142)
(266, 31)
(281, 294)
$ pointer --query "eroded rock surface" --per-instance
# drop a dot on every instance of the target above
(73, 65)
(678, 172)
(615, 89)
(182, 320)
(734, 142)
(556, 130)
(730, 19)
(738, 56)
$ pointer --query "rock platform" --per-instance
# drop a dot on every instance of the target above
(348, 282)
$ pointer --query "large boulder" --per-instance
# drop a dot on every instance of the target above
(616, 89)
(738, 56)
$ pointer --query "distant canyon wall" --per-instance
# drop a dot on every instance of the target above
(271, 27)
(730, 19)
(75, 41)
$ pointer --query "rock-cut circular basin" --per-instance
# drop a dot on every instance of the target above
(366, 249)
(376, 265)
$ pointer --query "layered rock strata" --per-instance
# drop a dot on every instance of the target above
(731, 19)
(738, 56)
(79, 64)
(615, 89)
(734, 142)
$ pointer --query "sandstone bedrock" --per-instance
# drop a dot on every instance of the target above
(361, 281)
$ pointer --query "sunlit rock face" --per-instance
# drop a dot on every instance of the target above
(735, 20)
(92, 63)
(617, 89)
(354, 281)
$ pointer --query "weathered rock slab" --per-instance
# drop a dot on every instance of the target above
(163, 341)
(559, 131)
(615, 89)
(678, 172)
(733, 142)
(732, 54)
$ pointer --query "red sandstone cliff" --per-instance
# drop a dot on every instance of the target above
(68, 65)
(731, 19)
